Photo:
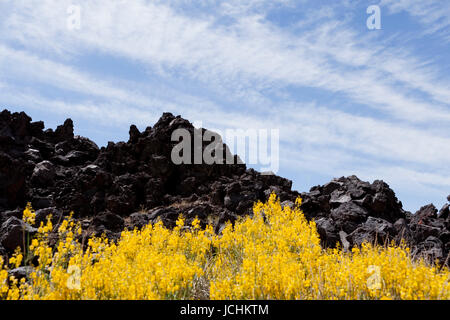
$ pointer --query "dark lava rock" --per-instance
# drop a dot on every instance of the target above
(43, 173)
(137, 220)
(425, 213)
(328, 233)
(43, 214)
(444, 212)
(348, 216)
(108, 221)
(3, 253)
(371, 212)
(374, 230)
(431, 249)
(21, 272)
(14, 232)
(130, 184)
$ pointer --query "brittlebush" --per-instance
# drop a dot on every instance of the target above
(275, 254)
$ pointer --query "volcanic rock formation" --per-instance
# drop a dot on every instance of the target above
(130, 184)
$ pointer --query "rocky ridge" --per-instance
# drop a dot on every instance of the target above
(130, 184)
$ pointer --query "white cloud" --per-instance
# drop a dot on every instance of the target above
(248, 54)
(434, 14)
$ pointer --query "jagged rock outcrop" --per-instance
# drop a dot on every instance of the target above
(125, 184)
(130, 184)
(360, 211)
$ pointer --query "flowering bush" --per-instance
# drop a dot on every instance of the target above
(275, 254)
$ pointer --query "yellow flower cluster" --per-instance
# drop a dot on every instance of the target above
(29, 215)
(275, 254)
(152, 263)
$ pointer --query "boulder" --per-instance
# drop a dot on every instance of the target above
(65, 131)
(444, 212)
(329, 235)
(43, 174)
(137, 220)
(374, 231)
(108, 221)
(14, 233)
(425, 213)
(348, 216)
(21, 272)
(432, 250)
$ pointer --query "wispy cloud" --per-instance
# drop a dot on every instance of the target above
(250, 53)
(434, 14)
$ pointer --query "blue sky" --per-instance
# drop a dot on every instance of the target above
(347, 100)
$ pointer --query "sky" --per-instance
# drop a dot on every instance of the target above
(346, 99)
